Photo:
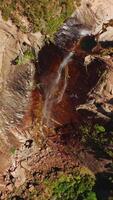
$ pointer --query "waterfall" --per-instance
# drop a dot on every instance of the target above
(72, 30)
(53, 95)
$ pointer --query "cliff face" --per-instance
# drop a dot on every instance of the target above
(16, 85)
(80, 129)
(94, 13)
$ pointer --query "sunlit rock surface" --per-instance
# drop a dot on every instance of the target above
(87, 19)
(16, 86)
(95, 13)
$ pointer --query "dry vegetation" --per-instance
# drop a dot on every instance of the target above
(44, 15)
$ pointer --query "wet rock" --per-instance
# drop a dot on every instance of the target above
(71, 32)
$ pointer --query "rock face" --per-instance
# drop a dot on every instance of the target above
(95, 13)
(89, 85)
(92, 18)
(88, 93)
(16, 86)
(89, 18)
(70, 32)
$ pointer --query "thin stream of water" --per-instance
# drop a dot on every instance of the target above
(53, 95)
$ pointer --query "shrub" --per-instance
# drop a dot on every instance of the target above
(97, 137)
(74, 186)
(27, 56)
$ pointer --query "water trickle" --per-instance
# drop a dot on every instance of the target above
(55, 93)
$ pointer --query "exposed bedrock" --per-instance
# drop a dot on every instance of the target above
(16, 86)
(88, 95)
(89, 85)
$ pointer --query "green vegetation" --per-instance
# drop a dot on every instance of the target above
(74, 185)
(44, 15)
(99, 129)
(19, 24)
(7, 8)
(27, 56)
(98, 137)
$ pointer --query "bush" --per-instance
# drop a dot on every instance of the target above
(97, 137)
(27, 56)
(74, 186)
